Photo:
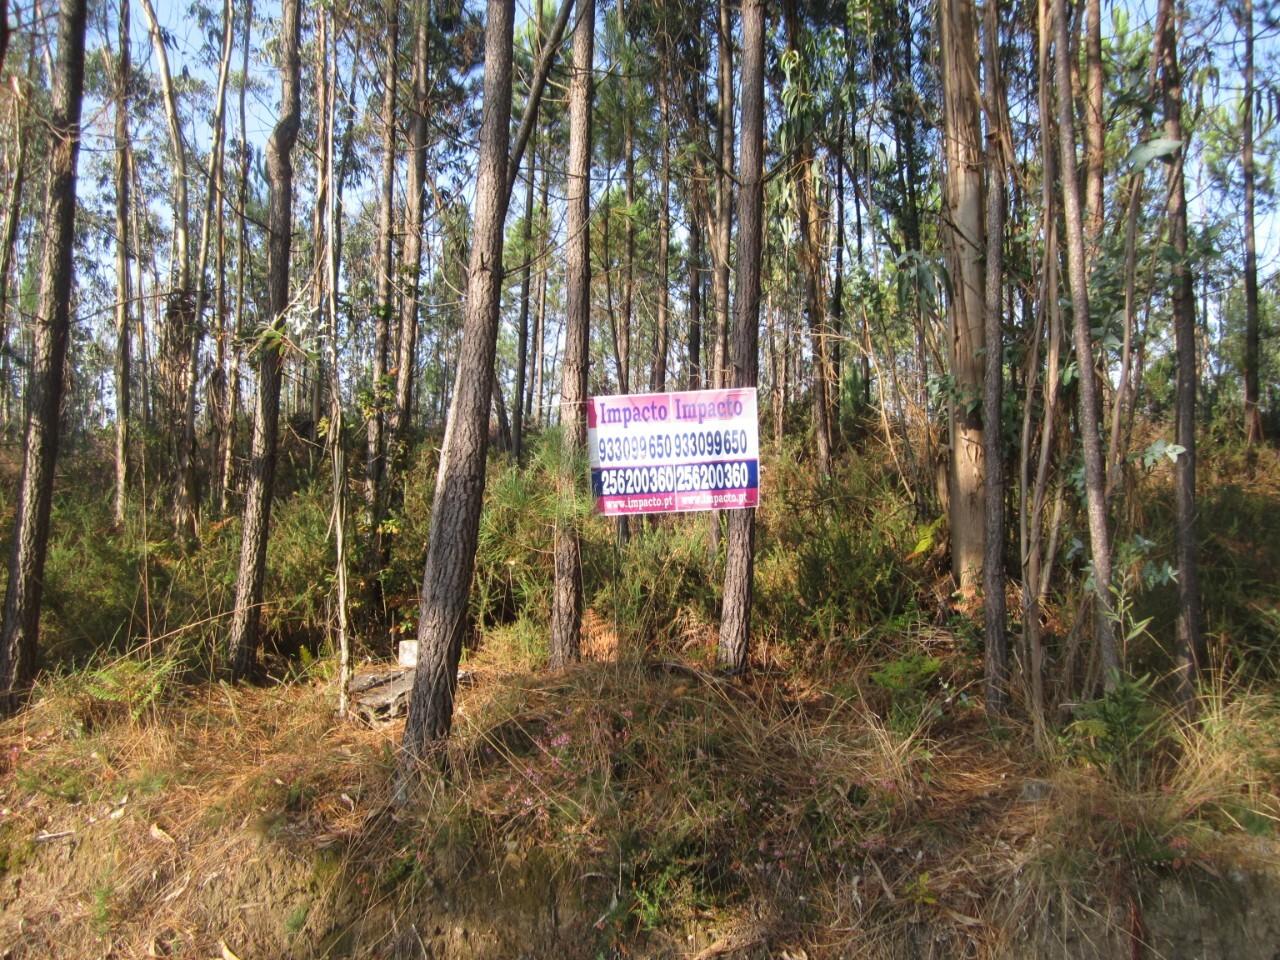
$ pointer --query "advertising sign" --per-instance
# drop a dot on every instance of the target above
(674, 452)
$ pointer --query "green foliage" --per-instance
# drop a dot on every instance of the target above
(297, 919)
(1121, 731)
(907, 675)
(645, 590)
(299, 565)
(831, 557)
(103, 910)
(514, 568)
(907, 679)
(136, 685)
(62, 782)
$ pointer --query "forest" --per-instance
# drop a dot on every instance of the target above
(317, 638)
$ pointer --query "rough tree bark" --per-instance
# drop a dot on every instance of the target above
(1191, 652)
(735, 623)
(242, 641)
(455, 512)
(20, 627)
(1090, 413)
(566, 606)
(964, 236)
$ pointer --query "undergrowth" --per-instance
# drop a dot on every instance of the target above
(849, 797)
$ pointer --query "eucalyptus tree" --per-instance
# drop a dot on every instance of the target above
(20, 623)
(4, 30)
(177, 332)
(242, 641)
(962, 132)
(1191, 652)
(186, 502)
(1090, 408)
(231, 392)
(17, 161)
(122, 313)
(415, 210)
(993, 575)
(522, 325)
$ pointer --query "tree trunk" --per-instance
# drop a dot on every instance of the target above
(814, 308)
(540, 320)
(812, 264)
(455, 513)
(522, 335)
(1033, 496)
(19, 630)
(227, 467)
(1094, 132)
(326, 284)
(993, 576)
(384, 271)
(735, 623)
(1191, 653)
(629, 288)
(1252, 415)
(242, 642)
(177, 333)
(315, 373)
(12, 218)
(724, 223)
(658, 381)
(187, 499)
(724, 199)
(4, 31)
(1090, 406)
(415, 199)
(543, 70)
(500, 408)
(964, 235)
(837, 285)
(695, 294)
(122, 266)
(566, 607)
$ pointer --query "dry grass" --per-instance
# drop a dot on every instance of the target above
(660, 810)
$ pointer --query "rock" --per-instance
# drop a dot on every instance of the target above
(1033, 791)
(383, 696)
